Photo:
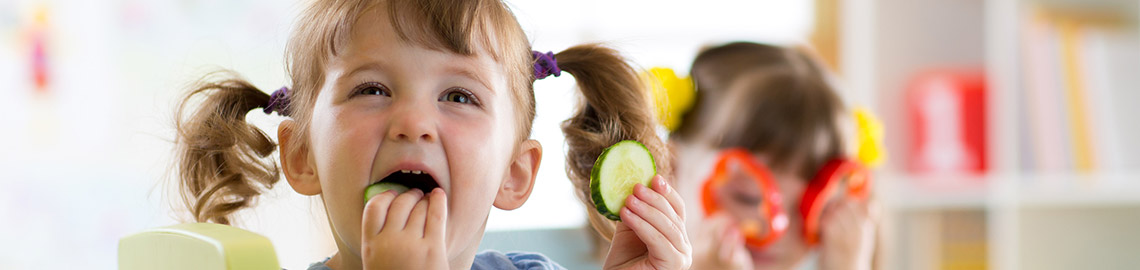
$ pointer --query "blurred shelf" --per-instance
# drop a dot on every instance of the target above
(1079, 190)
(1089, 4)
(912, 192)
(902, 192)
(887, 41)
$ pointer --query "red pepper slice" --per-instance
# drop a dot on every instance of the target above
(833, 174)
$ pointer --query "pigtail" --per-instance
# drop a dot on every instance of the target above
(615, 107)
(223, 161)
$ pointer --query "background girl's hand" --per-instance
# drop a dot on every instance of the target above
(720, 245)
(652, 232)
(405, 231)
(847, 239)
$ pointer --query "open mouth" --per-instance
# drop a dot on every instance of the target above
(413, 180)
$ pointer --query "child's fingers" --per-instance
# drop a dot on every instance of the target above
(834, 211)
(833, 214)
(415, 224)
(401, 207)
(874, 212)
(740, 258)
(728, 244)
(375, 212)
(657, 201)
(862, 208)
(669, 202)
(654, 241)
(657, 218)
(670, 194)
(852, 211)
(719, 219)
(839, 220)
(437, 215)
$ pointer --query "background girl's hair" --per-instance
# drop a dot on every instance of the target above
(615, 107)
(773, 100)
(224, 161)
(790, 116)
(715, 68)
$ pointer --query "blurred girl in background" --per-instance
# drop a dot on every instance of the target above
(760, 112)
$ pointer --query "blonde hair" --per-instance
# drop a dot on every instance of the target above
(225, 163)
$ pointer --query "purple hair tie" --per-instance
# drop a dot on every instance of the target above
(545, 65)
(278, 102)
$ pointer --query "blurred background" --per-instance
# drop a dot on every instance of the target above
(1007, 121)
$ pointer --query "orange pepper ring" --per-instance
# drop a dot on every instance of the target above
(771, 207)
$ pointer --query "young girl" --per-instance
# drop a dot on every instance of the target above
(438, 96)
(779, 105)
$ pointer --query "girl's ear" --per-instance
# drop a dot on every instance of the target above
(298, 165)
(520, 177)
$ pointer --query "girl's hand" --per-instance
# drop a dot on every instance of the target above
(405, 231)
(720, 245)
(652, 232)
(847, 239)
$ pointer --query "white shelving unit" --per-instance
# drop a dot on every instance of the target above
(1032, 219)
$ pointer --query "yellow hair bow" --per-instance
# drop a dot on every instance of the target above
(869, 138)
(672, 95)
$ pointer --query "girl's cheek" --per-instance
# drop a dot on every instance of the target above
(472, 134)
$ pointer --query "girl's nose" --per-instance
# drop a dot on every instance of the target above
(413, 123)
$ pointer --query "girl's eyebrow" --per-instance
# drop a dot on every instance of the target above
(362, 68)
(464, 72)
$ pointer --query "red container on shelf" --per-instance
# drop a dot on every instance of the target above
(947, 115)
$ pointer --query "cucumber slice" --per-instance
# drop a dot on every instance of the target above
(377, 188)
(617, 171)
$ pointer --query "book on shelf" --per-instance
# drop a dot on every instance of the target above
(947, 110)
(1075, 64)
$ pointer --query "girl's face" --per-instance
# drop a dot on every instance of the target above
(740, 199)
(388, 106)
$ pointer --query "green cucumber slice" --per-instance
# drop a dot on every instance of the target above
(377, 188)
(619, 168)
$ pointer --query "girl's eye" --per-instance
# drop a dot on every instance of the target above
(372, 89)
(745, 199)
(459, 95)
